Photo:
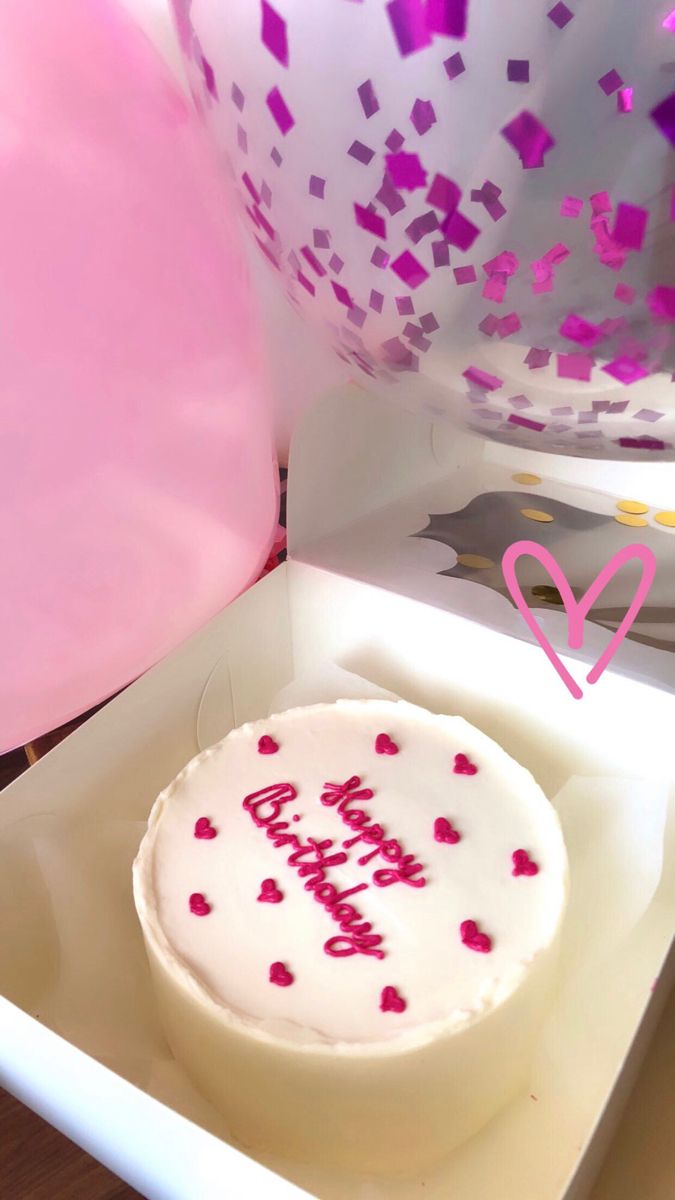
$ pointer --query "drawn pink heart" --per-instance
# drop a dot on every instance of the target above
(384, 744)
(269, 892)
(390, 1001)
(464, 766)
(443, 831)
(204, 829)
(577, 610)
(474, 939)
(523, 864)
(280, 975)
(199, 905)
(267, 745)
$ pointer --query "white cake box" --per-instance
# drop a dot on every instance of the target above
(79, 1037)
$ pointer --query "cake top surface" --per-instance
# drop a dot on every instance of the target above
(352, 872)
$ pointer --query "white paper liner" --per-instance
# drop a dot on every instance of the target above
(74, 957)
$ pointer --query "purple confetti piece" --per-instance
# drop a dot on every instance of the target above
(648, 414)
(264, 223)
(280, 111)
(409, 22)
(388, 196)
(423, 116)
(366, 94)
(560, 15)
(312, 260)
(518, 70)
(663, 117)
(237, 97)
(246, 180)
(268, 253)
(661, 303)
(440, 253)
(407, 267)
(306, 283)
(624, 99)
(610, 82)
(361, 153)
(489, 325)
(587, 417)
(317, 187)
(509, 324)
(448, 17)
(342, 294)
(578, 330)
(276, 157)
(357, 316)
(394, 141)
(396, 352)
(376, 301)
(454, 66)
(273, 33)
(266, 194)
(575, 366)
(626, 370)
(526, 422)
(242, 140)
(444, 194)
(520, 402)
(530, 139)
(429, 323)
(405, 171)
(563, 410)
(571, 206)
(321, 239)
(481, 379)
(624, 293)
(630, 224)
(464, 275)
(421, 226)
(379, 258)
(370, 221)
(536, 358)
(459, 231)
(209, 78)
(336, 264)
(404, 306)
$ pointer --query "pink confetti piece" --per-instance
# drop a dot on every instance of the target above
(610, 82)
(369, 102)
(663, 117)
(408, 269)
(505, 263)
(560, 15)
(379, 258)
(454, 66)
(464, 275)
(672, 205)
(626, 370)
(342, 294)
(448, 17)
(313, 261)
(482, 380)
(630, 224)
(409, 22)
(444, 193)
(624, 293)
(661, 303)
(459, 231)
(280, 111)
(489, 325)
(668, 22)
(529, 138)
(508, 325)
(423, 116)
(526, 422)
(624, 100)
(536, 358)
(317, 187)
(370, 221)
(557, 254)
(600, 203)
(440, 253)
(575, 366)
(518, 70)
(494, 288)
(209, 78)
(361, 153)
(248, 184)
(578, 330)
(237, 97)
(306, 283)
(273, 33)
(405, 171)
(376, 301)
(571, 206)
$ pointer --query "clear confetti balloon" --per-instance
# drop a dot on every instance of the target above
(475, 197)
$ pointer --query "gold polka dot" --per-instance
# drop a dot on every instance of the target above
(477, 561)
(630, 519)
(666, 518)
(525, 477)
(632, 506)
(545, 591)
(535, 514)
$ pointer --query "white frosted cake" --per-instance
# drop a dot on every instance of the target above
(351, 914)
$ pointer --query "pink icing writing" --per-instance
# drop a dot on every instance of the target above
(473, 938)
(444, 832)
(267, 745)
(199, 905)
(280, 975)
(405, 870)
(523, 864)
(357, 935)
(204, 829)
(391, 1001)
(464, 766)
(384, 744)
(269, 892)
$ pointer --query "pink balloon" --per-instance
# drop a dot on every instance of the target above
(137, 475)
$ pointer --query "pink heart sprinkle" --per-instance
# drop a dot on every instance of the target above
(279, 975)
(443, 831)
(390, 1001)
(269, 892)
(199, 905)
(204, 829)
(473, 939)
(267, 745)
(523, 864)
(464, 766)
(384, 744)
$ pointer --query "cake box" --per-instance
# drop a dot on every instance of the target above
(360, 593)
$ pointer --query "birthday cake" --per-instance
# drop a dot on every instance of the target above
(351, 914)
